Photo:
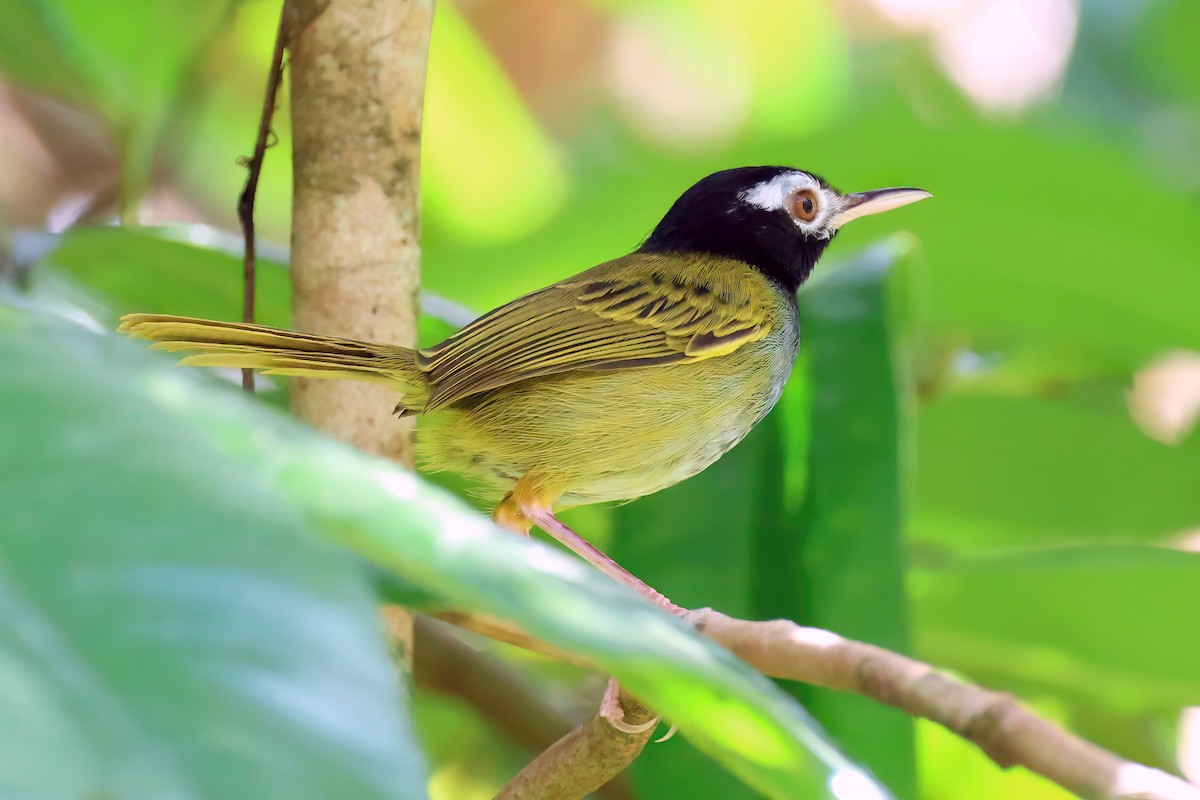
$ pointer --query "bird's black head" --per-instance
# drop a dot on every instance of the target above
(777, 219)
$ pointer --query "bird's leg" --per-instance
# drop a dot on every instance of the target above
(508, 515)
(544, 519)
(529, 503)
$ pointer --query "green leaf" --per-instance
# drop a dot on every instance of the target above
(1030, 618)
(1011, 471)
(169, 627)
(388, 516)
(196, 271)
(847, 545)
(191, 270)
(728, 710)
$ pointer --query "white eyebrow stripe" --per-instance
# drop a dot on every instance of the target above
(773, 194)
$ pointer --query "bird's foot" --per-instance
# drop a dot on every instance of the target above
(612, 712)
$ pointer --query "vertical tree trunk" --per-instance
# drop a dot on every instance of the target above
(357, 72)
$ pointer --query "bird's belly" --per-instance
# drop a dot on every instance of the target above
(610, 435)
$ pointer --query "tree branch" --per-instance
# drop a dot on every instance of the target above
(444, 663)
(501, 631)
(358, 82)
(1005, 731)
(253, 164)
(586, 758)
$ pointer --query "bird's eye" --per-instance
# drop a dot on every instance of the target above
(804, 205)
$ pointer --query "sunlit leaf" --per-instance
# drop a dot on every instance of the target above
(697, 543)
(169, 627)
(845, 544)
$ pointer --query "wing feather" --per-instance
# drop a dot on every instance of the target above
(637, 311)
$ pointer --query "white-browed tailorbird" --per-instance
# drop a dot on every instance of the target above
(606, 386)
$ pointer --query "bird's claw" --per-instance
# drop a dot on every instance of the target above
(611, 711)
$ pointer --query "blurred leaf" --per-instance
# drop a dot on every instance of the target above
(491, 193)
(128, 60)
(196, 271)
(474, 760)
(1110, 624)
(1004, 471)
(168, 626)
(389, 517)
(140, 269)
(1054, 271)
(764, 34)
(846, 543)
(733, 537)
(31, 51)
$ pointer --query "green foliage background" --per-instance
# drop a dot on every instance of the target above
(954, 471)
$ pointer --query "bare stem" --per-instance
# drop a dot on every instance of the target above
(245, 207)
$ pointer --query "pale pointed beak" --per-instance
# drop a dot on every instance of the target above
(862, 204)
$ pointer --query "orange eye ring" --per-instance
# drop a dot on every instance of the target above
(805, 205)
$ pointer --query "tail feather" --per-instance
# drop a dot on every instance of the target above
(281, 352)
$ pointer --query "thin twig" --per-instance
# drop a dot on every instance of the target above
(1007, 732)
(245, 207)
(502, 631)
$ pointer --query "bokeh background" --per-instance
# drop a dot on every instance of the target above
(1002, 477)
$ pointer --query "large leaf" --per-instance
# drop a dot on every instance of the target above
(436, 545)
(1029, 618)
(847, 539)
(168, 626)
(1005, 471)
(195, 270)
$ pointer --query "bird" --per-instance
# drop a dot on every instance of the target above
(622, 380)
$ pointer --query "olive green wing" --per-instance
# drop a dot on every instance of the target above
(637, 311)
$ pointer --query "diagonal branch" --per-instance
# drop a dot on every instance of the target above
(586, 758)
(444, 663)
(1007, 732)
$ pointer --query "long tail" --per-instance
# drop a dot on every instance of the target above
(275, 351)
